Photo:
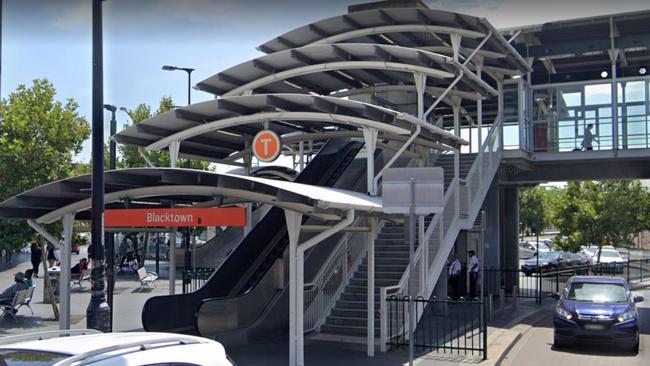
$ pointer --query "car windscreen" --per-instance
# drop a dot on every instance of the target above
(548, 255)
(597, 292)
(610, 254)
(29, 358)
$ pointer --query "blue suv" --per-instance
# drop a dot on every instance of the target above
(597, 310)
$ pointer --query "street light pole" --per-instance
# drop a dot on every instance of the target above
(109, 238)
(98, 311)
(189, 78)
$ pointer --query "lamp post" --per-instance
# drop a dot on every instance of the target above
(109, 238)
(98, 311)
(189, 78)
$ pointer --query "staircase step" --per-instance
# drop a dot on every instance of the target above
(378, 282)
(345, 330)
(391, 254)
(380, 275)
(355, 322)
(354, 305)
(387, 261)
(391, 267)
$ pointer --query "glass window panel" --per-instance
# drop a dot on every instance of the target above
(598, 94)
(634, 91)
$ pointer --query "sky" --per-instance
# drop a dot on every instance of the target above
(52, 39)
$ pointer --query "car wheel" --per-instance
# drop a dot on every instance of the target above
(635, 348)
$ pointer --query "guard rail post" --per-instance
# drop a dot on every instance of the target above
(383, 323)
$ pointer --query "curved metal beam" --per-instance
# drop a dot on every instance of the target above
(270, 116)
(420, 28)
(431, 90)
(191, 190)
(341, 65)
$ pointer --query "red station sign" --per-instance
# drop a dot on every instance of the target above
(176, 217)
(267, 146)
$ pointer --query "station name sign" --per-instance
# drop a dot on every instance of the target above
(176, 217)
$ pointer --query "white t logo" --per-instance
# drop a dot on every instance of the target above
(266, 141)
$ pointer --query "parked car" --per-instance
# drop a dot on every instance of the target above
(597, 310)
(589, 250)
(110, 349)
(610, 260)
(553, 261)
(529, 249)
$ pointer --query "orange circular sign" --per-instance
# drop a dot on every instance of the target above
(267, 146)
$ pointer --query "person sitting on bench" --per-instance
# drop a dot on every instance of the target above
(79, 267)
(7, 296)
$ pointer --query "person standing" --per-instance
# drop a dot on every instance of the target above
(588, 139)
(36, 258)
(51, 257)
(454, 277)
(473, 270)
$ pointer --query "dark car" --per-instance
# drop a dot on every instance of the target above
(597, 310)
(555, 261)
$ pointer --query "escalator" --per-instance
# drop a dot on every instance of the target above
(254, 256)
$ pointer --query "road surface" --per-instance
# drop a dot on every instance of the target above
(535, 347)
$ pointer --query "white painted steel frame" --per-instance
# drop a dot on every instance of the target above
(340, 65)
(419, 28)
(272, 116)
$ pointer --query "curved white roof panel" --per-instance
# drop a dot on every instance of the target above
(328, 68)
(157, 187)
(218, 128)
(407, 27)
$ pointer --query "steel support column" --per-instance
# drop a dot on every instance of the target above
(64, 276)
(293, 220)
(174, 147)
(172, 262)
(371, 288)
(370, 138)
(613, 56)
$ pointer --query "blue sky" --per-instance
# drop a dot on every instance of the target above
(52, 39)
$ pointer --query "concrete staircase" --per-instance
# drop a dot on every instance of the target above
(348, 318)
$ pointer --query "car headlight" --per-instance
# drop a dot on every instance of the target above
(626, 316)
(563, 313)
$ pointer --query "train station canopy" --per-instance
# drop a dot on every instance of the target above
(421, 28)
(328, 68)
(161, 187)
(218, 129)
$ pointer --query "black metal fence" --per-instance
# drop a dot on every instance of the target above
(446, 326)
(195, 279)
(545, 282)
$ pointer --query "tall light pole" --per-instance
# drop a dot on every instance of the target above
(98, 311)
(189, 78)
(109, 238)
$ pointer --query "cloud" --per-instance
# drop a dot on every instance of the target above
(71, 15)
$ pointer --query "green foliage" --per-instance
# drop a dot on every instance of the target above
(131, 158)
(39, 136)
(533, 210)
(600, 213)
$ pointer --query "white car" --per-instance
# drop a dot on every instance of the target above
(609, 256)
(81, 347)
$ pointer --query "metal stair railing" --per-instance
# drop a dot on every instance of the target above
(441, 233)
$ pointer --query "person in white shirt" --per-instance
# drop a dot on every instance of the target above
(472, 271)
(454, 276)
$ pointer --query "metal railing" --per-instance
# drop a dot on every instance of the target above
(195, 279)
(321, 293)
(462, 202)
(445, 326)
(542, 283)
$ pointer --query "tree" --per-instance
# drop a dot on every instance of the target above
(533, 207)
(131, 157)
(601, 213)
(39, 136)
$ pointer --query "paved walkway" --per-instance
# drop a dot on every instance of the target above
(128, 300)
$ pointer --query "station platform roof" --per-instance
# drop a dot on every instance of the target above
(161, 187)
(420, 28)
(215, 130)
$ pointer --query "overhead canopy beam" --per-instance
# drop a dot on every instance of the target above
(340, 65)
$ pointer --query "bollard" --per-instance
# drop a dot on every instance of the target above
(502, 296)
(515, 291)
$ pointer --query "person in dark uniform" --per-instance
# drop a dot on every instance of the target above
(36, 258)
(473, 271)
(455, 270)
